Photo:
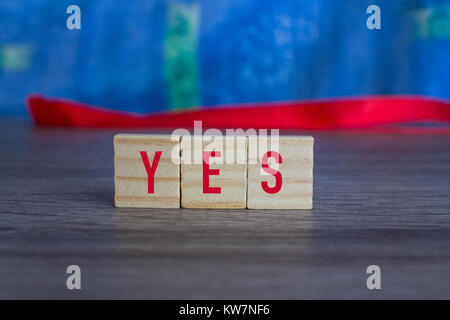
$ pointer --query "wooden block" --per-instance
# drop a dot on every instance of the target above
(295, 168)
(135, 160)
(227, 181)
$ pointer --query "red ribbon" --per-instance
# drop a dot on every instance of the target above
(349, 113)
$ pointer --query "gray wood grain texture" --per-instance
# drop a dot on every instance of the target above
(379, 199)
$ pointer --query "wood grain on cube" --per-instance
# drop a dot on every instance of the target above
(130, 175)
(232, 178)
(296, 170)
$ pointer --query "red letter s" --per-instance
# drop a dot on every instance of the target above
(275, 173)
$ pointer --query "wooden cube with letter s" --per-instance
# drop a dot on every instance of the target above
(280, 176)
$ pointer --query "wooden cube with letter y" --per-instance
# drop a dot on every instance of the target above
(214, 174)
(147, 171)
(283, 178)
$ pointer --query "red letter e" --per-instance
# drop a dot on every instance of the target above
(209, 172)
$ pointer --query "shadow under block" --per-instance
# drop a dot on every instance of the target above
(231, 178)
(296, 169)
(130, 173)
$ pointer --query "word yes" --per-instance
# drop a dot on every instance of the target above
(207, 171)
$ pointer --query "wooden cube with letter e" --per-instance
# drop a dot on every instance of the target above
(214, 172)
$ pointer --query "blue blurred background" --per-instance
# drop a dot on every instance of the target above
(154, 55)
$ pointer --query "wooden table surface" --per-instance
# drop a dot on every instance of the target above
(378, 199)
